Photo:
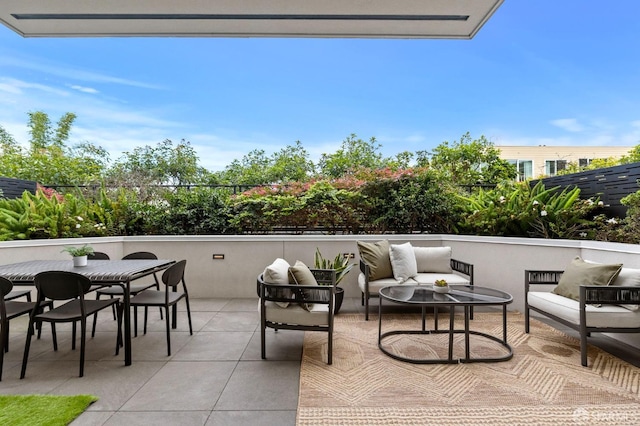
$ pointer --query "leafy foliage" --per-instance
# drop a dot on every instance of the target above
(517, 210)
(48, 160)
(470, 162)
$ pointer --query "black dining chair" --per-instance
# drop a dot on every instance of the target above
(8, 311)
(59, 286)
(117, 291)
(16, 294)
(98, 255)
(26, 293)
(172, 278)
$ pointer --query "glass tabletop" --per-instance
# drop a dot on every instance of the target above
(458, 294)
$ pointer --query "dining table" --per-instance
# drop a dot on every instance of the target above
(100, 272)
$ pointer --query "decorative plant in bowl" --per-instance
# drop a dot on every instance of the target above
(79, 254)
(441, 286)
(342, 267)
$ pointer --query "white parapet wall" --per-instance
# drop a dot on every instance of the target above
(498, 262)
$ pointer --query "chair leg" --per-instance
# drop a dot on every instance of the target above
(54, 336)
(95, 319)
(135, 321)
(4, 327)
(83, 341)
(189, 315)
(73, 336)
(27, 346)
(168, 325)
(262, 342)
(119, 338)
(330, 348)
(146, 313)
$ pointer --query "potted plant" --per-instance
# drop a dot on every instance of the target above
(79, 254)
(341, 265)
(441, 286)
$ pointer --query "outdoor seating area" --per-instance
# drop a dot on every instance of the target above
(237, 358)
(215, 377)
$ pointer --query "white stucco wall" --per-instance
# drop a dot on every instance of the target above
(498, 262)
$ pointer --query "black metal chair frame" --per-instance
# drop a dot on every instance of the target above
(9, 310)
(72, 287)
(115, 291)
(323, 294)
(172, 278)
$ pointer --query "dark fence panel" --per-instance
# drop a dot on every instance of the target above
(610, 184)
(14, 188)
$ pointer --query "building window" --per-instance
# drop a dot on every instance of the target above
(552, 167)
(584, 162)
(524, 168)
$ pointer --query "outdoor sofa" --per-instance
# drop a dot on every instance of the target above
(588, 297)
(383, 264)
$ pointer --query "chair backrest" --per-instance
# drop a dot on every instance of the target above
(140, 255)
(98, 255)
(61, 285)
(5, 287)
(174, 274)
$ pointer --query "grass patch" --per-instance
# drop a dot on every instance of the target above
(41, 410)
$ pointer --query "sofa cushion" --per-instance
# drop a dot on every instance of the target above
(300, 274)
(424, 278)
(569, 310)
(376, 285)
(376, 255)
(579, 272)
(419, 279)
(433, 259)
(278, 273)
(318, 314)
(628, 277)
(403, 261)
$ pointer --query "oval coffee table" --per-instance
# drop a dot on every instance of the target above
(466, 296)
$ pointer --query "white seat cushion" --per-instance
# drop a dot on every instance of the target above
(569, 310)
(420, 279)
(430, 278)
(318, 314)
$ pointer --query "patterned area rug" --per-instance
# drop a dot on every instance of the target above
(543, 384)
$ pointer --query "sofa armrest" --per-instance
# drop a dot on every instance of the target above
(464, 268)
(544, 277)
(608, 295)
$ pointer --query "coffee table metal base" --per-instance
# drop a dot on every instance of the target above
(451, 332)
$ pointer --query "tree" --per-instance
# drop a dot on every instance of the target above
(470, 162)
(290, 164)
(250, 170)
(164, 164)
(48, 159)
(354, 153)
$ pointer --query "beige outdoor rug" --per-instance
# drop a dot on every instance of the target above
(543, 384)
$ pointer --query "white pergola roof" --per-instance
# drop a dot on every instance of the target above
(455, 19)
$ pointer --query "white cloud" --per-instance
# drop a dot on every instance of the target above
(84, 89)
(70, 73)
(568, 124)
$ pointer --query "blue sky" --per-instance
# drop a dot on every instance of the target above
(539, 72)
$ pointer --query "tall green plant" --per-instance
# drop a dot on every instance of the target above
(340, 263)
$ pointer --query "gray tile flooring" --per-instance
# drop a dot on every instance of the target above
(215, 377)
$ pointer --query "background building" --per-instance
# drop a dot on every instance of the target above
(540, 161)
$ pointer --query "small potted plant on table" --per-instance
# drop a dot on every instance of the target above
(441, 286)
(79, 254)
(342, 267)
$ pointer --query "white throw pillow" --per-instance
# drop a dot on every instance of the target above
(278, 273)
(433, 259)
(403, 262)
